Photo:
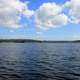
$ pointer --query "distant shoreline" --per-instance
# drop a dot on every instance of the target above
(30, 40)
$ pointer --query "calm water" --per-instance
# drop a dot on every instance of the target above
(39, 61)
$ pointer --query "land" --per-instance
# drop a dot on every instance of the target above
(31, 40)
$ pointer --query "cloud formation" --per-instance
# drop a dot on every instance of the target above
(10, 12)
(48, 15)
(74, 11)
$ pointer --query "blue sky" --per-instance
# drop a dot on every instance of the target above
(64, 31)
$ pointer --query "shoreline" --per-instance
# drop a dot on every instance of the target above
(40, 41)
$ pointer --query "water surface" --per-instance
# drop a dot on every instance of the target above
(39, 61)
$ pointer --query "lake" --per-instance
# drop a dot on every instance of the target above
(39, 61)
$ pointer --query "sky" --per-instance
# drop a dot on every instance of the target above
(40, 19)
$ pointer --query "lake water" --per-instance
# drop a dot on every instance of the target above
(39, 61)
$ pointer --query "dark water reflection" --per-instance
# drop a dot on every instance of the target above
(39, 61)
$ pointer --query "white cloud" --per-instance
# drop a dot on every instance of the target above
(11, 31)
(66, 4)
(38, 33)
(74, 11)
(10, 12)
(49, 9)
(49, 15)
(28, 13)
(52, 15)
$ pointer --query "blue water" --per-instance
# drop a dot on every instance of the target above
(39, 61)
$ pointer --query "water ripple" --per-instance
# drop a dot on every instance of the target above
(39, 61)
